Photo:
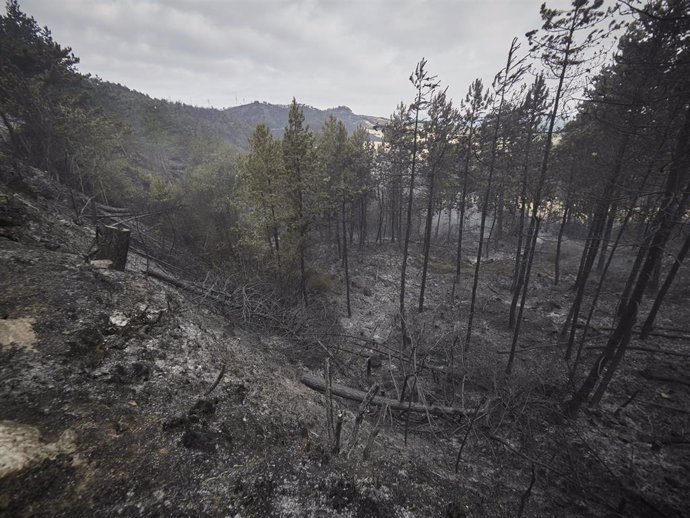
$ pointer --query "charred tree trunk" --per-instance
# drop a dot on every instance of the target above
(487, 197)
(427, 237)
(607, 238)
(559, 242)
(346, 265)
(666, 218)
(564, 221)
(408, 227)
(523, 204)
(516, 332)
(602, 277)
(463, 199)
(112, 245)
(594, 241)
(649, 322)
(522, 273)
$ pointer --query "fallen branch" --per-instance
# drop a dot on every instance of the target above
(646, 373)
(374, 433)
(343, 391)
(467, 433)
(665, 407)
(171, 280)
(215, 383)
(528, 349)
(360, 417)
(527, 493)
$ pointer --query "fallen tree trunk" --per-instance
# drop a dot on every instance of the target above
(172, 280)
(343, 391)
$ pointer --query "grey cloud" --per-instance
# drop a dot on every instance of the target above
(324, 52)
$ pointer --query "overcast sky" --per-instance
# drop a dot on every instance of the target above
(326, 53)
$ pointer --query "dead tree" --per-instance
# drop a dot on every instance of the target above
(425, 85)
(608, 361)
(474, 104)
(506, 78)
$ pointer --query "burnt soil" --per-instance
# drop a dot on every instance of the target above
(105, 410)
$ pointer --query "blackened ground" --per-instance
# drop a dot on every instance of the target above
(104, 407)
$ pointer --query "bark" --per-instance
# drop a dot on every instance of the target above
(491, 233)
(362, 221)
(337, 238)
(561, 230)
(586, 263)
(499, 215)
(302, 268)
(653, 287)
(379, 229)
(450, 219)
(632, 276)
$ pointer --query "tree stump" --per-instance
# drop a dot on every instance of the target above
(112, 244)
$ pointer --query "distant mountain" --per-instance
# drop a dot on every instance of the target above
(275, 116)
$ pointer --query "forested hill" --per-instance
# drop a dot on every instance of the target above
(275, 116)
(156, 119)
(157, 122)
(168, 137)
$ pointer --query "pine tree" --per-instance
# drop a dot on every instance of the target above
(300, 186)
(264, 176)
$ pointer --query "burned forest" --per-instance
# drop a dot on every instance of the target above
(476, 306)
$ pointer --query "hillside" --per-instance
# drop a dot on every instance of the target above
(124, 393)
(166, 138)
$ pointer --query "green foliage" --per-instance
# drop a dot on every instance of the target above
(361, 162)
(303, 181)
(263, 177)
(212, 219)
(46, 109)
